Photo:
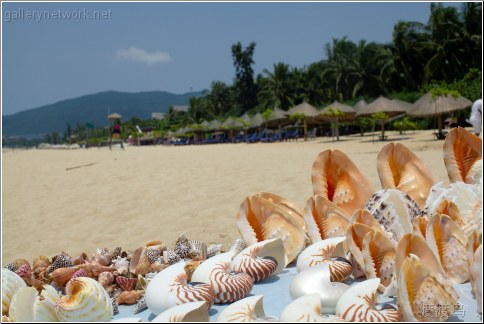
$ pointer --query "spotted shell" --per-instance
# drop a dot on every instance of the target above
(306, 308)
(61, 261)
(86, 300)
(11, 283)
(169, 288)
(329, 251)
(357, 304)
(188, 312)
(198, 249)
(28, 306)
(214, 249)
(121, 265)
(228, 287)
(249, 309)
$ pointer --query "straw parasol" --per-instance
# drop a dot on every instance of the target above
(114, 116)
(308, 111)
(336, 112)
(427, 105)
(359, 105)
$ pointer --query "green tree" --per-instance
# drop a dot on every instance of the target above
(276, 88)
(244, 76)
(333, 115)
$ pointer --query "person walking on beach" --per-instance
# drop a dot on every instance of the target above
(476, 117)
(116, 134)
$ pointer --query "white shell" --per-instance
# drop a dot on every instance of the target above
(261, 260)
(189, 312)
(169, 288)
(228, 287)
(250, 309)
(86, 300)
(11, 282)
(357, 304)
(27, 306)
(317, 280)
(325, 252)
(306, 309)
(121, 265)
(394, 210)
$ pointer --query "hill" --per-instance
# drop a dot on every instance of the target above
(90, 108)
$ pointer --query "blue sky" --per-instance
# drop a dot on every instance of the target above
(52, 52)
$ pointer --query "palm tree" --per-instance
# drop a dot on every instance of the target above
(276, 87)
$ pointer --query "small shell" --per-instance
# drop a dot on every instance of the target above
(86, 300)
(317, 280)
(190, 267)
(115, 305)
(129, 297)
(40, 262)
(169, 288)
(170, 257)
(28, 306)
(249, 309)
(237, 246)
(11, 283)
(261, 260)
(61, 261)
(182, 247)
(228, 287)
(198, 250)
(93, 268)
(80, 273)
(127, 284)
(449, 244)
(105, 278)
(153, 253)
(306, 309)
(189, 312)
(329, 251)
(140, 305)
(357, 304)
(121, 265)
(62, 276)
(214, 249)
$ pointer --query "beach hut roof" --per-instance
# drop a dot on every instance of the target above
(428, 106)
(214, 124)
(232, 122)
(257, 120)
(342, 107)
(114, 116)
(304, 108)
(359, 105)
(382, 104)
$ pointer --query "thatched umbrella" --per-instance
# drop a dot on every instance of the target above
(359, 105)
(308, 111)
(114, 116)
(428, 105)
(336, 112)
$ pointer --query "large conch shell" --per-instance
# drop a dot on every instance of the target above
(357, 304)
(11, 283)
(400, 169)
(291, 208)
(169, 288)
(306, 308)
(324, 219)
(336, 178)
(317, 280)
(462, 150)
(228, 287)
(379, 255)
(249, 309)
(261, 260)
(449, 244)
(28, 306)
(420, 290)
(188, 312)
(329, 251)
(394, 210)
(259, 219)
(86, 300)
(474, 259)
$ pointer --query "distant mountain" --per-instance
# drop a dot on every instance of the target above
(91, 108)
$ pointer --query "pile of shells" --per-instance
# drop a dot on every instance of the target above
(412, 240)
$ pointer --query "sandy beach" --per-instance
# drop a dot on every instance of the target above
(78, 200)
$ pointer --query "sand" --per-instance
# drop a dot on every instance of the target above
(78, 200)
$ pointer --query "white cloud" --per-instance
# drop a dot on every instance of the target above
(140, 55)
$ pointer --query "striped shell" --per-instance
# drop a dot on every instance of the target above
(127, 284)
(11, 283)
(86, 300)
(228, 287)
(28, 306)
(249, 309)
(329, 251)
(357, 304)
(169, 288)
(260, 260)
(306, 309)
(189, 312)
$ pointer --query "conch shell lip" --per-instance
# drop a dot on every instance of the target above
(246, 309)
(188, 312)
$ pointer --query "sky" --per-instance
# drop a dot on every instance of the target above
(56, 51)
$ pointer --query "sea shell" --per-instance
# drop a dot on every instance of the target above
(357, 304)
(329, 251)
(127, 284)
(86, 300)
(214, 249)
(153, 253)
(182, 247)
(28, 306)
(237, 246)
(62, 276)
(61, 261)
(116, 253)
(474, 260)
(336, 178)
(115, 305)
(102, 257)
(324, 219)
(419, 226)
(169, 288)
(249, 309)
(258, 219)
(188, 312)
(105, 278)
(398, 168)
(139, 263)
(121, 265)
(190, 267)
(198, 249)
(40, 262)
(228, 287)
(420, 290)
(394, 210)
(140, 305)
(94, 269)
(261, 260)
(129, 297)
(306, 308)
(462, 150)
(449, 244)
(291, 208)
(170, 257)
(317, 280)
(11, 283)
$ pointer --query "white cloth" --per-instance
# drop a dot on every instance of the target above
(476, 116)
